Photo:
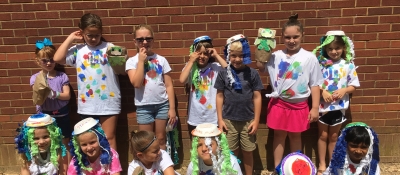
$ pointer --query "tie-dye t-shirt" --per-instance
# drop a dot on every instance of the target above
(153, 90)
(202, 108)
(98, 86)
(339, 75)
(292, 76)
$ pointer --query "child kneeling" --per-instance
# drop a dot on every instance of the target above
(210, 152)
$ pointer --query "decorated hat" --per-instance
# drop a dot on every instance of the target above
(198, 40)
(296, 164)
(38, 120)
(206, 130)
(84, 125)
(335, 32)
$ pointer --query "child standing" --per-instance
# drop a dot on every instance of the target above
(39, 143)
(341, 79)
(154, 92)
(148, 158)
(200, 73)
(239, 100)
(56, 104)
(91, 151)
(294, 74)
(356, 152)
(98, 87)
(210, 152)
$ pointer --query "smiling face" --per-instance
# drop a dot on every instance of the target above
(89, 145)
(236, 55)
(92, 36)
(204, 56)
(292, 37)
(334, 51)
(151, 154)
(42, 139)
(203, 151)
(356, 151)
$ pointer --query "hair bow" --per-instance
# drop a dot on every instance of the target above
(45, 42)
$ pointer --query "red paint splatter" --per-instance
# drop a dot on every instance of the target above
(289, 75)
(144, 81)
(90, 92)
(83, 100)
(203, 100)
(86, 56)
(152, 73)
(352, 168)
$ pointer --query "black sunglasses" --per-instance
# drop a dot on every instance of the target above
(141, 40)
(45, 61)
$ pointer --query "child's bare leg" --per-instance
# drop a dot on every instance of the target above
(161, 133)
(333, 136)
(295, 141)
(322, 142)
(248, 162)
(109, 125)
(279, 145)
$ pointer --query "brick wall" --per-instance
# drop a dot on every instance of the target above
(373, 25)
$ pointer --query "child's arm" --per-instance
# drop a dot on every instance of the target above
(171, 98)
(186, 71)
(215, 54)
(61, 165)
(257, 100)
(169, 171)
(260, 66)
(136, 76)
(219, 103)
(338, 94)
(25, 169)
(59, 56)
(314, 112)
(65, 95)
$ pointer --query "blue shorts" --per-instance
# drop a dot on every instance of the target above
(147, 114)
(62, 120)
(97, 117)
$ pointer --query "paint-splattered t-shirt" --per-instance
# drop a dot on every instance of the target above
(98, 86)
(153, 90)
(339, 75)
(202, 108)
(292, 76)
(208, 170)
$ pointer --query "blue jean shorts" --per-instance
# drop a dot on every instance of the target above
(62, 120)
(147, 114)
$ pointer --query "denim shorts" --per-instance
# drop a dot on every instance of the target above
(147, 114)
(62, 120)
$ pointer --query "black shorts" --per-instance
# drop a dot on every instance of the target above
(332, 118)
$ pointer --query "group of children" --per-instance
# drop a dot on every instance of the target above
(224, 108)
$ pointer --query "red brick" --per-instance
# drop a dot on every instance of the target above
(109, 5)
(60, 23)
(134, 20)
(242, 8)
(395, 60)
(194, 27)
(329, 13)
(36, 24)
(59, 6)
(7, 49)
(24, 64)
(380, 11)
(393, 107)
(20, 56)
(120, 12)
(7, 33)
(10, 111)
(387, 99)
(206, 18)
(355, 12)
(83, 5)
(389, 52)
(242, 25)
(396, 10)
(374, 107)
(388, 68)
(316, 22)
(254, 16)
(310, 30)
(170, 11)
(390, 3)
(194, 10)
(370, 3)
(101, 13)
(394, 44)
(19, 72)
(389, 19)
(364, 36)
(343, 4)
(267, 24)
(293, 6)
(378, 44)
(71, 14)
(121, 29)
(11, 8)
(378, 28)
(354, 29)
(230, 17)
(212, 34)
(318, 5)
(5, 17)
(229, 1)
(366, 20)
(10, 80)
(217, 9)
(307, 13)
(129, 4)
(158, 20)
(323, 30)
(156, 3)
(367, 53)
(20, 16)
(267, 7)
(182, 19)
(377, 76)
(387, 84)
(341, 21)
(12, 24)
(145, 12)
(180, 3)
(362, 100)
(14, 41)
(389, 36)
(171, 44)
(170, 28)
(21, 103)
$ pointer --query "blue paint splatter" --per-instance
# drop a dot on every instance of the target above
(83, 67)
(82, 77)
(94, 83)
(99, 71)
(283, 66)
(331, 107)
(103, 97)
(341, 103)
(103, 77)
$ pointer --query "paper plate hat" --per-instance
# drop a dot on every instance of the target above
(296, 164)
(368, 164)
(206, 130)
(234, 80)
(38, 120)
(84, 125)
(265, 42)
(199, 39)
(327, 39)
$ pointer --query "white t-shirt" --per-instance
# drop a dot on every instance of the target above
(98, 86)
(292, 76)
(337, 76)
(351, 170)
(207, 170)
(202, 107)
(162, 164)
(153, 90)
(39, 166)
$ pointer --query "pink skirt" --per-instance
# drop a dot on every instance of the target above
(291, 117)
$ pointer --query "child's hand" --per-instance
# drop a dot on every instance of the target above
(143, 54)
(75, 36)
(252, 127)
(327, 96)
(222, 126)
(313, 115)
(194, 57)
(212, 52)
(338, 94)
(171, 116)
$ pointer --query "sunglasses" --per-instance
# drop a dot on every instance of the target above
(141, 40)
(46, 60)
(90, 36)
